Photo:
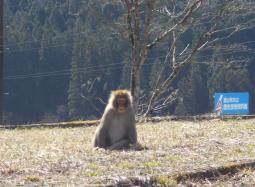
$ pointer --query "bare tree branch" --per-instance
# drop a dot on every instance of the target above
(176, 69)
(169, 100)
(187, 13)
(149, 15)
(129, 21)
(169, 23)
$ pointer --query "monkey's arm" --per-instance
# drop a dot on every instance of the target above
(132, 134)
(101, 137)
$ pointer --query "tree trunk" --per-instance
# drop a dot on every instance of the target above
(135, 85)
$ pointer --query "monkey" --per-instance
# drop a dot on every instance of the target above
(117, 129)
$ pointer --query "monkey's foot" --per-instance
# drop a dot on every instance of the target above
(138, 147)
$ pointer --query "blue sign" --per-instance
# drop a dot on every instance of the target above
(231, 103)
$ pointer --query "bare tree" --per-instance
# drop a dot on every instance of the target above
(88, 93)
(150, 23)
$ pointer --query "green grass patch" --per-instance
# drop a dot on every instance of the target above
(94, 174)
(166, 181)
(32, 178)
(152, 164)
(173, 157)
(126, 165)
(93, 166)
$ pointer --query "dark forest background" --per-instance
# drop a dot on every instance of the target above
(62, 59)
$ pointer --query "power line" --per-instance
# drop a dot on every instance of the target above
(62, 73)
(70, 43)
(70, 34)
(66, 70)
(36, 41)
(106, 66)
(56, 45)
(92, 69)
(215, 54)
(37, 48)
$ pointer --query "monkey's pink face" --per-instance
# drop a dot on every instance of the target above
(121, 101)
(121, 104)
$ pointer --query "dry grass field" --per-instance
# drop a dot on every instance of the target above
(180, 153)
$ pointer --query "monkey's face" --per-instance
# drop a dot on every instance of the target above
(121, 104)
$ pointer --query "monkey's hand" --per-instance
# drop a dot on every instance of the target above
(99, 149)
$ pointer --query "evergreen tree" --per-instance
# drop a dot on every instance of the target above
(59, 61)
(193, 97)
(74, 100)
(229, 78)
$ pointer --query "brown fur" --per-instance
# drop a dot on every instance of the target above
(120, 94)
(116, 129)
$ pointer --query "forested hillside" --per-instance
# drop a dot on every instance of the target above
(63, 57)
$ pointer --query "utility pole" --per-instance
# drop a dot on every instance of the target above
(1, 59)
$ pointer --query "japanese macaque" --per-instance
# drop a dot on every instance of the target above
(117, 128)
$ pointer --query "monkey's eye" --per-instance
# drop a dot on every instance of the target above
(121, 100)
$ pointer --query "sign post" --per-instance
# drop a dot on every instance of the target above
(236, 103)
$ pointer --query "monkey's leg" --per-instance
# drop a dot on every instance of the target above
(119, 145)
